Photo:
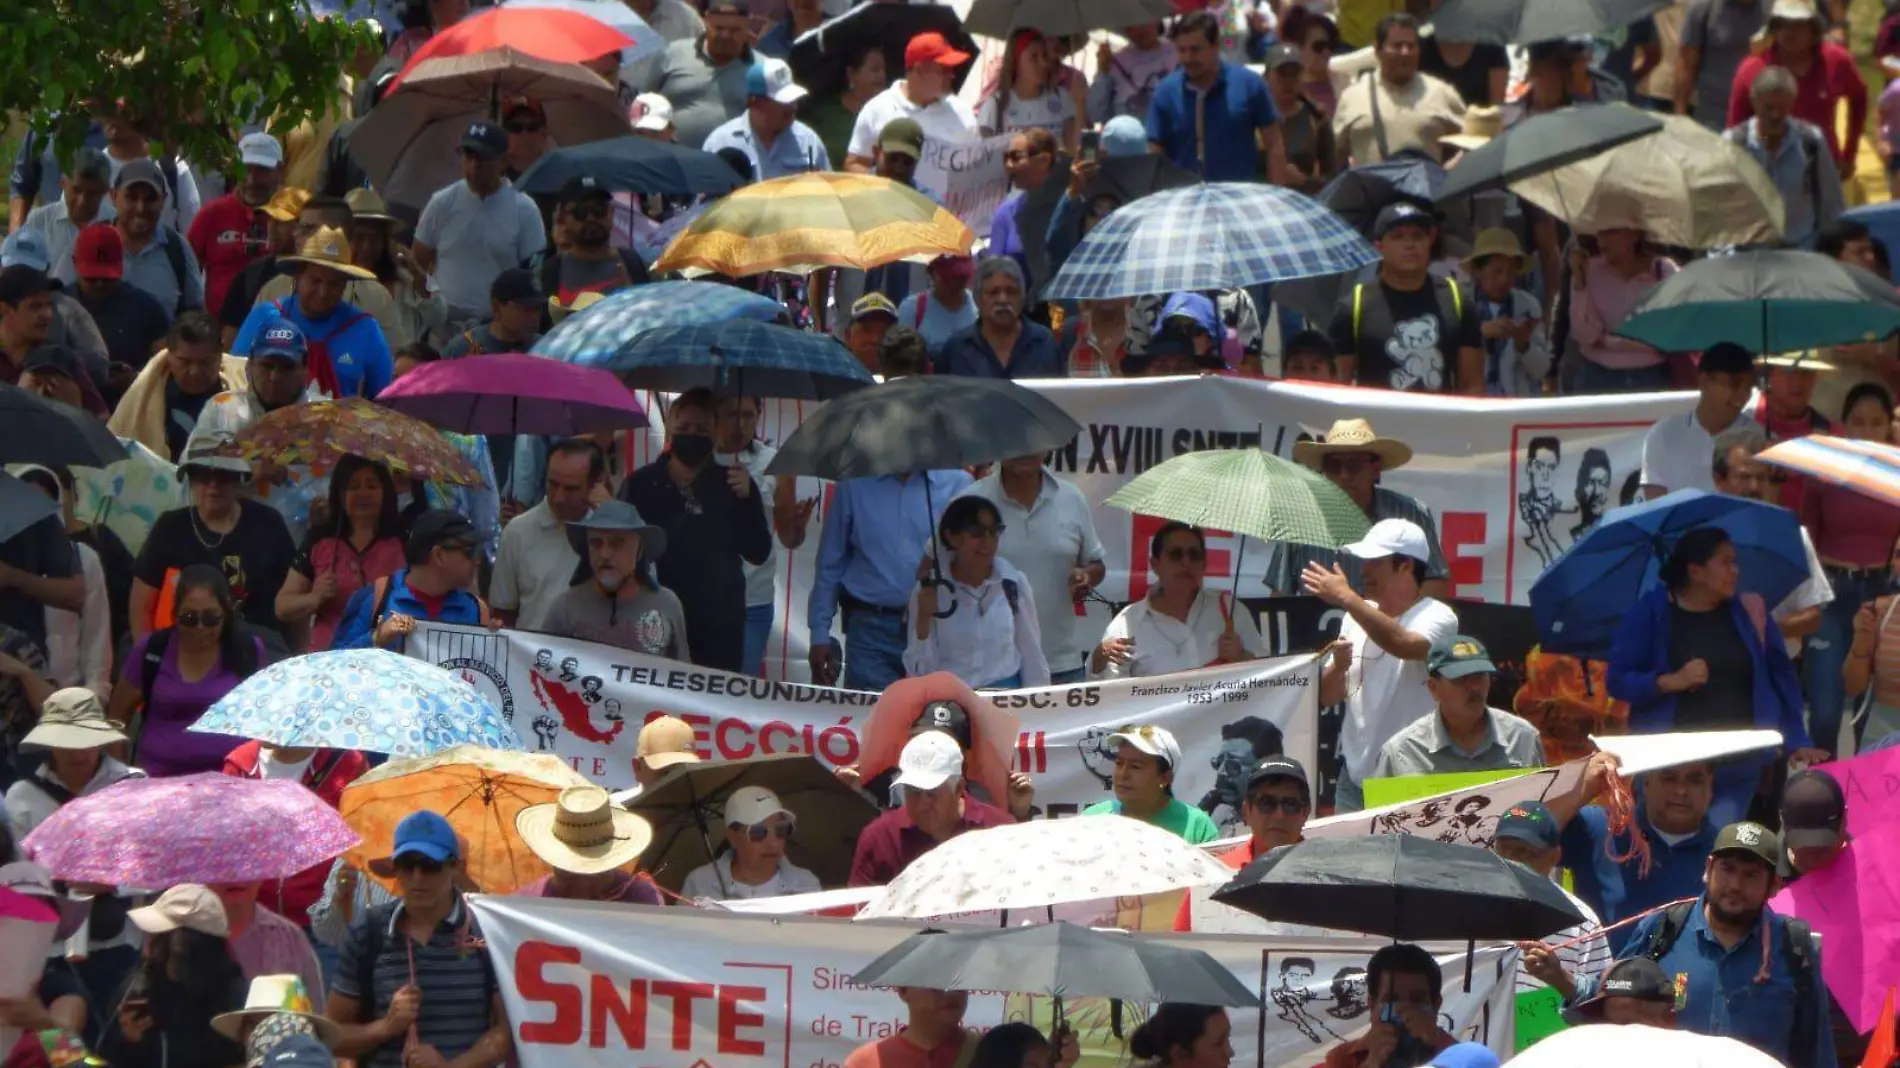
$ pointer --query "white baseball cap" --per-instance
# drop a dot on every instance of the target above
(750, 806)
(1392, 537)
(260, 150)
(929, 760)
(772, 78)
(651, 111)
(1157, 742)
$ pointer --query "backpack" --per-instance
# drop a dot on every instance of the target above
(1798, 949)
(174, 245)
(1451, 321)
(1813, 142)
(375, 931)
(380, 600)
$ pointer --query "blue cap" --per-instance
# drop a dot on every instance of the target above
(281, 339)
(427, 833)
(299, 1051)
(1195, 307)
(26, 248)
(1531, 822)
(1124, 135)
(1466, 1055)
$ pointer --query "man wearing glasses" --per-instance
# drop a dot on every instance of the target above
(440, 565)
(1277, 801)
(590, 263)
(758, 826)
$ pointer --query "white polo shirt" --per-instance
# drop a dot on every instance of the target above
(1047, 540)
(533, 567)
(946, 119)
(476, 238)
(1679, 454)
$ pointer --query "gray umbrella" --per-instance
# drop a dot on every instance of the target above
(1504, 22)
(1060, 18)
(1545, 142)
(21, 506)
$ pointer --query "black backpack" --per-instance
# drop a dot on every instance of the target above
(1798, 949)
(375, 933)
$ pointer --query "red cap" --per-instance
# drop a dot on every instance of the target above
(932, 48)
(99, 252)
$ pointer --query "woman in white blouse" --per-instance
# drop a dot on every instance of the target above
(1179, 626)
(990, 639)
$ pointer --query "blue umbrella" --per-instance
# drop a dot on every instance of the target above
(1202, 237)
(632, 164)
(367, 699)
(595, 336)
(1581, 599)
(740, 357)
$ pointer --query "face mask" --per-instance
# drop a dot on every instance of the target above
(692, 449)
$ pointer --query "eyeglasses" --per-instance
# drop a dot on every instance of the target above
(1192, 554)
(984, 532)
(584, 212)
(209, 619)
(1266, 803)
(525, 127)
(759, 832)
(417, 862)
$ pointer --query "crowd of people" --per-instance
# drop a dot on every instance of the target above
(178, 306)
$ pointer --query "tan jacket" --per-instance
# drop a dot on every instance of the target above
(141, 412)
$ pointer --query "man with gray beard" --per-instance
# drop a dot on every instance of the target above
(620, 604)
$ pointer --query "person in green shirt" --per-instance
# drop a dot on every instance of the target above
(1145, 759)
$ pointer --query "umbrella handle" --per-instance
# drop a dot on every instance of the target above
(937, 581)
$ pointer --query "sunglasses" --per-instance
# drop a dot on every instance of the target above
(216, 478)
(984, 532)
(584, 212)
(1291, 806)
(759, 832)
(210, 620)
(417, 862)
(1192, 554)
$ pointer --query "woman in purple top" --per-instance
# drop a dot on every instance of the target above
(180, 671)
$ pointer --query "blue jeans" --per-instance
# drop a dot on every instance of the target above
(758, 631)
(1069, 678)
(1825, 655)
(1735, 789)
(873, 650)
(1595, 378)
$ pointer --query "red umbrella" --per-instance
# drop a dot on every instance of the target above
(556, 35)
(514, 393)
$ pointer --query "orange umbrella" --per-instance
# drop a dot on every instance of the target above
(992, 730)
(478, 790)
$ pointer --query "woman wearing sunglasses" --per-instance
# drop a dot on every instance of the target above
(989, 637)
(177, 672)
(1180, 625)
(758, 828)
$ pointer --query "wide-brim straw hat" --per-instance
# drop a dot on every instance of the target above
(329, 248)
(1353, 435)
(73, 718)
(366, 203)
(584, 832)
(1481, 125)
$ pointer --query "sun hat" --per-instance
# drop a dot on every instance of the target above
(189, 906)
(328, 247)
(73, 718)
(1353, 435)
(664, 742)
(1495, 241)
(367, 204)
(583, 831)
(1481, 125)
(274, 995)
(928, 761)
(206, 452)
(750, 806)
(618, 515)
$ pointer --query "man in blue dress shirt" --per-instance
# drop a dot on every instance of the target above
(769, 132)
(1213, 117)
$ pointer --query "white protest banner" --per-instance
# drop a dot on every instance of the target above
(589, 984)
(967, 176)
(585, 702)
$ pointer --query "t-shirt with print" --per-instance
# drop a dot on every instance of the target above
(579, 276)
(1385, 694)
(651, 622)
(254, 557)
(1407, 339)
(1047, 112)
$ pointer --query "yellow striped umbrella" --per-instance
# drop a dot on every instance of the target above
(806, 222)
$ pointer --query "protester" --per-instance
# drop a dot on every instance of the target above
(1405, 990)
(1019, 1045)
(872, 315)
(233, 230)
(177, 671)
(1398, 107)
(1604, 288)
(589, 263)
(1030, 95)
(161, 407)
(81, 204)
(478, 227)
(1029, 161)
(1633, 991)
(1463, 734)
(1097, 344)
(158, 259)
(536, 563)
(618, 604)
(420, 309)
(1126, 78)
(1814, 836)
(947, 307)
(1794, 154)
(278, 376)
(515, 307)
(1739, 473)
(1742, 970)
(1824, 74)
(1147, 758)
(1510, 320)
(1180, 625)
(947, 705)
(767, 131)
(1309, 357)
(449, 1008)
(324, 772)
(705, 79)
(933, 1033)
(1869, 671)
(1528, 833)
(1179, 1035)
(53, 371)
(924, 95)
(1354, 457)
(988, 651)
(1409, 329)
(1213, 117)
(1479, 73)
(131, 322)
(185, 977)
(263, 942)
(1002, 344)
(1785, 410)
(664, 742)
(270, 280)
(360, 542)
(348, 354)
(73, 324)
(1276, 797)
(753, 864)
(936, 808)
(588, 841)
(1307, 129)
(438, 569)
(1676, 449)
(833, 115)
(801, 17)
(1388, 634)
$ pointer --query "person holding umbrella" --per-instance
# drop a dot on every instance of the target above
(933, 1034)
(1180, 625)
(989, 635)
(757, 827)
(1180, 1035)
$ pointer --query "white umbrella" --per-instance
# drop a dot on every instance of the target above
(646, 40)
(1042, 863)
(1604, 1044)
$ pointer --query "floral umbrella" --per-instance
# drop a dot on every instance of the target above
(320, 433)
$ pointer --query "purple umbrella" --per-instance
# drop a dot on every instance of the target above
(156, 833)
(515, 393)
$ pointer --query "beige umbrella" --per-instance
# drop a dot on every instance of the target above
(1684, 186)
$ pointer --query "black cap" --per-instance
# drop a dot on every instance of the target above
(1750, 839)
(1813, 808)
(946, 716)
(1726, 357)
(485, 139)
(582, 187)
(440, 528)
(1638, 977)
(94, 165)
(55, 358)
(1279, 767)
(1313, 341)
(18, 283)
(516, 285)
(1401, 213)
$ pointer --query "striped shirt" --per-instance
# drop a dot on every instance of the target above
(1587, 959)
(1288, 560)
(272, 945)
(451, 970)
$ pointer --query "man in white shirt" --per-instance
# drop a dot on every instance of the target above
(758, 827)
(537, 559)
(1738, 473)
(82, 202)
(923, 94)
(1677, 449)
(1378, 664)
(477, 228)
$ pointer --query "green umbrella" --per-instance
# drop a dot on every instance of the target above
(1247, 491)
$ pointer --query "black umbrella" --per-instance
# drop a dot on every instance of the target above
(1544, 143)
(1059, 959)
(632, 164)
(820, 57)
(1504, 22)
(35, 430)
(21, 506)
(687, 811)
(1124, 178)
(1775, 301)
(1404, 887)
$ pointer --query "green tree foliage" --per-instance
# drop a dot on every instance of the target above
(187, 74)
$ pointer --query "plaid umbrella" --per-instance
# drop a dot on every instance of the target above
(740, 357)
(1250, 492)
(1218, 236)
(597, 335)
(1866, 467)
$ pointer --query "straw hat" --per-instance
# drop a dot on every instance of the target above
(270, 995)
(73, 718)
(368, 204)
(1495, 241)
(329, 248)
(1803, 360)
(1481, 125)
(1353, 435)
(287, 204)
(583, 832)
(582, 301)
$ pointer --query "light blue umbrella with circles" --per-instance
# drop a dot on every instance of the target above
(366, 699)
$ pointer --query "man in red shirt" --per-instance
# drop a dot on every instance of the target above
(1275, 805)
(1824, 74)
(937, 808)
(934, 1036)
(232, 231)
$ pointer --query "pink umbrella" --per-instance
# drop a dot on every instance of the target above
(514, 393)
(156, 833)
